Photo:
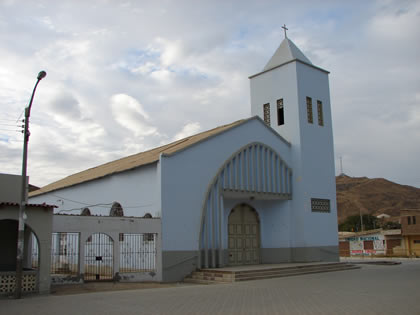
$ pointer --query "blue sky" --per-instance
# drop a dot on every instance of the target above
(126, 76)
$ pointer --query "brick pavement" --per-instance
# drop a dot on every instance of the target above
(370, 290)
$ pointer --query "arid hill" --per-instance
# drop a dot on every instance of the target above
(373, 196)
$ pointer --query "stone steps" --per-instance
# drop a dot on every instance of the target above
(211, 276)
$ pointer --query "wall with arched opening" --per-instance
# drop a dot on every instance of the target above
(254, 172)
(38, 225)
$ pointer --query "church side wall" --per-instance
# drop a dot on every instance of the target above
(317, 230)
(185, 179)
(268, 88)
(136, 190)
(313, 235)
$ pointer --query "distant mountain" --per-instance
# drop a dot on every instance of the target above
(373, 196)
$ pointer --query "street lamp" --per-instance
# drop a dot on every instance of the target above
(23, 194)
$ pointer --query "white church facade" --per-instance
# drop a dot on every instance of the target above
(259, 190)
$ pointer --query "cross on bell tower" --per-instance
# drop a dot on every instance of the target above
(285, 29)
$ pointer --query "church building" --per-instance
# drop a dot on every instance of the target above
(257, 191)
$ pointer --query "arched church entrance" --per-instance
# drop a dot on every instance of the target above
(255, 170)
(244, 236)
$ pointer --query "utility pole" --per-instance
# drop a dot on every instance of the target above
(23, 196)
(361, 219)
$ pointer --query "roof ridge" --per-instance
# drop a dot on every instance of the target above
(286, 52)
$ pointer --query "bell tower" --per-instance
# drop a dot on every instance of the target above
(292, 96)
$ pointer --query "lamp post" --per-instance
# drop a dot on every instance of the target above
(23, 194)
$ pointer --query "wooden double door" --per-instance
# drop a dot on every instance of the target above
(244, 236)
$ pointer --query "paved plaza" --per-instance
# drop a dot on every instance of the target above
(373, 289)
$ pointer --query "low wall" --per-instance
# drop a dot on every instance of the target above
(8, 282)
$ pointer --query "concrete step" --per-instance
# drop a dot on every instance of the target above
(293, 273)
(239, 274)
(210, 276)
(198, 281)
(291, 267)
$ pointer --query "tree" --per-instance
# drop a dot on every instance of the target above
(353, 224)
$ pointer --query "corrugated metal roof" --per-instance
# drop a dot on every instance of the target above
(134, 161)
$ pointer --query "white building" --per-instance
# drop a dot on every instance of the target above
(259, 190)
(376, 242)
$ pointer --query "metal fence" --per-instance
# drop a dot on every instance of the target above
(137, 252)
(65, 253)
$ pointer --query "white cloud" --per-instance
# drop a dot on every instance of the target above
(171, 51)
(395, 22)
(127, 77)
(145, 68)
(129, 113)
(65, 49)
(162, 75)
(188, 130)
(48, 22)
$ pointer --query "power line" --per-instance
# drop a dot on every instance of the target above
(11, 130)
(74, 209)
(82, 203)
(4, 119)
(1, 124)
(98, 204)
(20, 115)
(10, 140)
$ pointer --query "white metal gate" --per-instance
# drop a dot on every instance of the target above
(99, 257)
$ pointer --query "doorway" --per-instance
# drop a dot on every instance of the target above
(244, 236)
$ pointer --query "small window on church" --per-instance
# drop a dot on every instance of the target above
(320, 113)
(309, 110)
(320, 205)
(280, 112)
(267, 114)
